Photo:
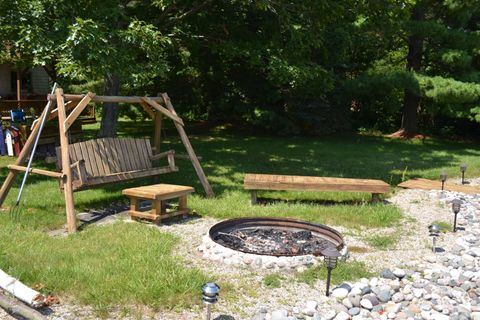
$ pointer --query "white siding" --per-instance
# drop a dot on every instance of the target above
(40, 81)
(5, 80)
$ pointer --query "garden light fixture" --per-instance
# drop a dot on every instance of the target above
(456, 205)
(443, 177)
(330, 258)
(434, 230)
(210, 292)
(463, 168)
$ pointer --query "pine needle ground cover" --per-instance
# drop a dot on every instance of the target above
(106, 265)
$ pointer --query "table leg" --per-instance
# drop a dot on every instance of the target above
(183, 205)
(157, 207)
(134, 206)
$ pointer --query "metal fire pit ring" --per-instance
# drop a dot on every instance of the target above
(322, 231)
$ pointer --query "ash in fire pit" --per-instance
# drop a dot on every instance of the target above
(275, 236)
(271, 241)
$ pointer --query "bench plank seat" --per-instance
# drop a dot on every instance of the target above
(110, 160)
(309, 183)
(426, 184)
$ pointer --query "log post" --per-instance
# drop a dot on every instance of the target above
(188, 146)
(19, 310)
(66, 169)
(158, 132)
(7, 184)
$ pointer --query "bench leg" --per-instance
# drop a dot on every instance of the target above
(254, 197)
(183, 205)
(375, 197)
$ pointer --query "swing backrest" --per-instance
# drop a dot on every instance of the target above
(108, 160)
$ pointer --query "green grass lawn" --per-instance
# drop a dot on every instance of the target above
(97, 263)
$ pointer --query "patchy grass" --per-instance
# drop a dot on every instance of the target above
(273, 280)
(382, 242)
(444, 226)
(345, 271)
(357, 249)
(118, 264)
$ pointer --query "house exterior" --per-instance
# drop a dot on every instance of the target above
(34, 83)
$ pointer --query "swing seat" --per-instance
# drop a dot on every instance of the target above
(112, 160)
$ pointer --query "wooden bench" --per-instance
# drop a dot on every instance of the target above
(426, 184)
(112, 160)
(158, 194)
(256, 182)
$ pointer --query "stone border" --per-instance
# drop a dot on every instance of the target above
(216, 252)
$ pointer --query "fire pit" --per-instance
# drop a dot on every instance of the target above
(269, 242)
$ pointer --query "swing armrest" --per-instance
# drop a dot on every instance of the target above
(79, 166)
(170, 154)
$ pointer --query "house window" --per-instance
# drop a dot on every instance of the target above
(25, 83)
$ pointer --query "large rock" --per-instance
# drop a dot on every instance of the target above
(367, 304)
(355, 300)
(340, 293)
(398, 297)
(373, 299)
(384, 295)
(399, 273)
(387, 274)
(342, 316)
(279, 315)
(312, 305)
(354, 311)
(347, 303)
(329, 315)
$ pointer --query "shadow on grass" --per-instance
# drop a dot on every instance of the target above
(228, 155)
(272, 201)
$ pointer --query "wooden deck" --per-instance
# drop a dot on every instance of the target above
(426, 184)
(308, 183)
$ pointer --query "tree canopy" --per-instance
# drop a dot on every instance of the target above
(312, 66)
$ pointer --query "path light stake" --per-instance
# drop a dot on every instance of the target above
(456, 205)
(330, 259)
(434, 232)
(210, 293)
(463, 168)
(443, 177)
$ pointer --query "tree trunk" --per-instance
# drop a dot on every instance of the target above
(410, 113)
(51, 71)
(411, 102)
(108, 125)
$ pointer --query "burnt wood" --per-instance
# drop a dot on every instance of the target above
(226, 231)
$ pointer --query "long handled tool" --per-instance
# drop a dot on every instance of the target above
(15, 209)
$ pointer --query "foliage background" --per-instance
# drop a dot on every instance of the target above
(310, 67)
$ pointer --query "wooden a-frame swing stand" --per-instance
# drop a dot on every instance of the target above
(134, 151)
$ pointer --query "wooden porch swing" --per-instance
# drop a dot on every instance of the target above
(106, 160)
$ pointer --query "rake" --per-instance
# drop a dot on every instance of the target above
(15, 210)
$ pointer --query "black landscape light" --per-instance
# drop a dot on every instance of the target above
(434, 230)
(330, 258)
(463, 168)
(443, 177)
(210, 292)
(456, 205)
